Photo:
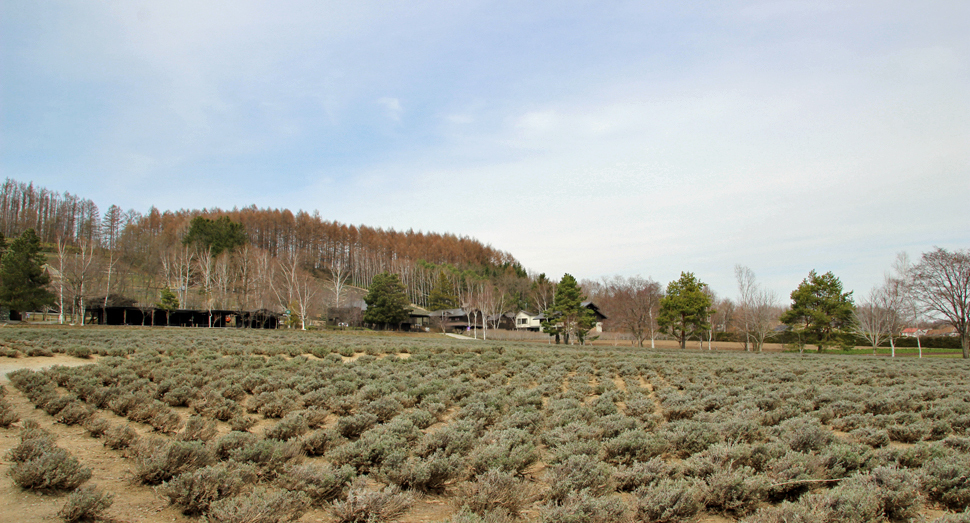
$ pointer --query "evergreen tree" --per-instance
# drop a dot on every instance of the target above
(387, 301)
(219, 235)
(23, 281)
(168, 302)
(685, 308)
(820, 310)
(567, 314)
(443, 295)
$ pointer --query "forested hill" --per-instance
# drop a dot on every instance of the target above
(143, 241)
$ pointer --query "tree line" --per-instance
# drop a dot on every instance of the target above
(126, 257)
(274, 259)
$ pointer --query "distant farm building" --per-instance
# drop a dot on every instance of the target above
(151, 316)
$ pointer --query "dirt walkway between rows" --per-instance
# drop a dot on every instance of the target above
(8, 365)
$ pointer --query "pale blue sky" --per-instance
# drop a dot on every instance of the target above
(586, 137)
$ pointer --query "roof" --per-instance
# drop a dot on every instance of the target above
(448, 312)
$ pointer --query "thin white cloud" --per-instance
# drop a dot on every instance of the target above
(392, 107)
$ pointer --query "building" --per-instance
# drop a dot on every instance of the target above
(155, 317)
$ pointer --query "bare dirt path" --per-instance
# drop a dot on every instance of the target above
(8, 365)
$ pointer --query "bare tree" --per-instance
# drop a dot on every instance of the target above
(756, 312)
(297, 286)
(339, 275)
(872, 318)
(111, 224)
(636, 301)
(177, 265)
(61, 267)
(912, 311)
(206, 266)
(942, 283)
(78, 275)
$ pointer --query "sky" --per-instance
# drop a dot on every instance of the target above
(594, 138)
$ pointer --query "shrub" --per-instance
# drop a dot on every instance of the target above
(270, 456)
(385, 408)
(424, 474)
(318, 442)
(910, 433)
(583, 507)
(368, 452)
(895, 489)
(670, 500)
(848, 504)
(195, 491)
(275, 404)
(262, 505)
(315, 417)
(224, 446)
(87, 503)
(198, 428)
(454, 438)
(56, 404)
(467, 516)
(790, 472)
(946, 480)
(958, 443)
(578, 473)
(871, 436)
(119, 437)
(241, 422)
(167, 422)
(364, 506)
(74, 413)
(292, 426)
(496, 491)
(353, 426)
(735, 491)
(31, 447)
(7, 415)
(634, 445)
(786, 512)
(96, 426)
(54, 468)
(511, 450)
(321, 483)
(804, 434)
(639, 474)
(157, 460)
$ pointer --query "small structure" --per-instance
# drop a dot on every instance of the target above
(152, 316)
(456, 320)
(525, 320)
(419, 318)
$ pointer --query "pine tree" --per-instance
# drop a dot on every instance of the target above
(23, 281)
(685, 308)
(820, 310)
(443, 295)
(168, 302)
(567, 314)
(387, 301)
